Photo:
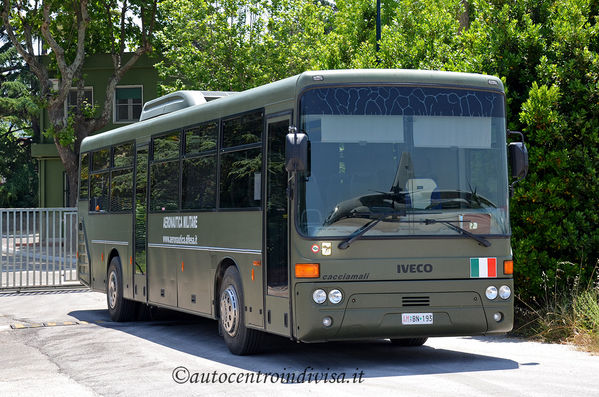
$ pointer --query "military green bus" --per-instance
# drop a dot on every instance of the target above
(332, 205)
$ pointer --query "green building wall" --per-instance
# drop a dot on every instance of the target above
(97, 70)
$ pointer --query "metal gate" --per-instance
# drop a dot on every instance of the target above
(39, 247)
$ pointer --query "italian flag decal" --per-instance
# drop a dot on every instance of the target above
(483, 267)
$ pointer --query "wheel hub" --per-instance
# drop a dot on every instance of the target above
(112, 290)
(229, 311)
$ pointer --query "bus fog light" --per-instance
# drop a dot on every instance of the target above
(491, 292)
(327, 321)
(498, 316)
(505, 292)
(335, 296)
(319, 296)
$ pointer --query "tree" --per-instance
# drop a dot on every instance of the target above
(18, 111)
(66, 30)
(18, 182)
(238, 44)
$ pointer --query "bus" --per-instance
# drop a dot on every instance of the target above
(332, 205)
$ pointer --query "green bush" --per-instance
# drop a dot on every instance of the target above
(554, 211)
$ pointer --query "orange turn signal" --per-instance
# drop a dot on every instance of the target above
(508, 267)
(307, 270)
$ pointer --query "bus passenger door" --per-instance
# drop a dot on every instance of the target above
(140, 220)
(277, 318)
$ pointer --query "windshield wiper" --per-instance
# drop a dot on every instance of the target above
(482, 241)
(363, 229)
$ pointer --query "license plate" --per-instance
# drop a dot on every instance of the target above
(416, 318)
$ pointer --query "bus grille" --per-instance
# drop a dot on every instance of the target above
(408, 301)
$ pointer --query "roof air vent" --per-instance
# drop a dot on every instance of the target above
(178, 100)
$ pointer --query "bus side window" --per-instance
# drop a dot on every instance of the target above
(199, 167)
(199, 182)
(99, 181)
(241, 161)
(164, 173)
(121, 178)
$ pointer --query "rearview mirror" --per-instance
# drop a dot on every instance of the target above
(518, 159)
(296, 151)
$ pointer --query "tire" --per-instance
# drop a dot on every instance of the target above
(239, 339)
(409, 342)
(119, 308)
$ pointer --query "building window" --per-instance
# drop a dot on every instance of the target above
(71, 102)
(127, 104)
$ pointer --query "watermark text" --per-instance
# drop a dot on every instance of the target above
(308, 375)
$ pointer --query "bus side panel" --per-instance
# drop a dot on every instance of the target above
(183, 260)
(250, 270)
(194, 289)
(237, 235)
(105, 233)
(162, 269)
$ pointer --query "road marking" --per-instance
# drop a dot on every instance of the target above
(49, 324)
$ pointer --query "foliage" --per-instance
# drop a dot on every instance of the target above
(568, 311)
(18, 182)
(555, 208)
(15, 100)
(237, 44)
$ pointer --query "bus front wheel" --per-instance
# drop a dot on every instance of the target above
(119, 308)
(239, 339)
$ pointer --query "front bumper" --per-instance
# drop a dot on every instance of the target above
(374, 309)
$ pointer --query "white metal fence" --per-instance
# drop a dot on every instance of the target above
(39, 247)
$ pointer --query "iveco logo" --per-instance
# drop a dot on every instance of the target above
(415, 268)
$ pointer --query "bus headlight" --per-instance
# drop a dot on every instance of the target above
(335, 296)
(319, 296)
(505, 292)
(491, 292)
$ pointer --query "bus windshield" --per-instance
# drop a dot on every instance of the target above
(420, 159)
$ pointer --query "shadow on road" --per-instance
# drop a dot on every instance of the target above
(199, 337)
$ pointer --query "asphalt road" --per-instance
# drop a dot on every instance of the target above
(80, 352)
